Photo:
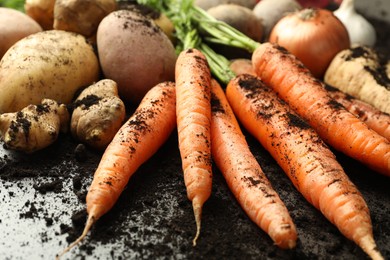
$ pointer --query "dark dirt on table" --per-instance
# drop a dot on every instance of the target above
(142, 215)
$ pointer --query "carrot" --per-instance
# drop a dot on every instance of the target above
(287, 76)
(373, 117)
(304, 157)
(244, 175)
(193, 112)
(135, 142)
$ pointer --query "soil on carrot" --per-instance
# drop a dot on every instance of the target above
(42, 198)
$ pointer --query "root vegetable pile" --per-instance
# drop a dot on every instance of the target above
(90, 62)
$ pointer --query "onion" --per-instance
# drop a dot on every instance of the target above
(314, 36)
(360, 30)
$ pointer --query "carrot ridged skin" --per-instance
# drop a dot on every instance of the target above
(244, 175)
(306, 95)
(304, 157)
(375, 119)
(193, 112)
(135, 142)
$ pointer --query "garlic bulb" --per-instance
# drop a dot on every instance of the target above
(359, 29)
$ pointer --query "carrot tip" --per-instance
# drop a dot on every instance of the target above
(198, 214)
(291, 244)
(368, 245)
(88, 225)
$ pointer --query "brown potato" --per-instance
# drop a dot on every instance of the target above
(14, 25)
(239, 17)
(135, 53)
(50, 64)
(207, 4)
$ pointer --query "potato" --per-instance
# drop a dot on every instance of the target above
(207, 4)
(239, 17)
(49, 64)
(14, 25)
(242, 66)
(41, 11)
(158, 17)
(135, 53)
(271, 11)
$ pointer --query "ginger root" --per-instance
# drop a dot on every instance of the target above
(98, 114)
(81, 16)
(34, 127)
(41, 11)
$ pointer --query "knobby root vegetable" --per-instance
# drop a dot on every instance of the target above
(50, 64)
(137, 140)
(34, 127)
(41, 11)
(81, 16)
(98, 114)
(358, 72)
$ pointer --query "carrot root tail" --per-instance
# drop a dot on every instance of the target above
(88, 225)
(368, 245)
(198, 216)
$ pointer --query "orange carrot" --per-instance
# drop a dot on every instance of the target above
(304, 157)
(193, 112)
(306, 95)
(135, 142)
(244, 175)
(375, 119)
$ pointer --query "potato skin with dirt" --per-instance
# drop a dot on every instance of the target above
(49, 64)
(239, 17)
(15, 25)
(135, 53)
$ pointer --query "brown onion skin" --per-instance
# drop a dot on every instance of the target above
(314, 36)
